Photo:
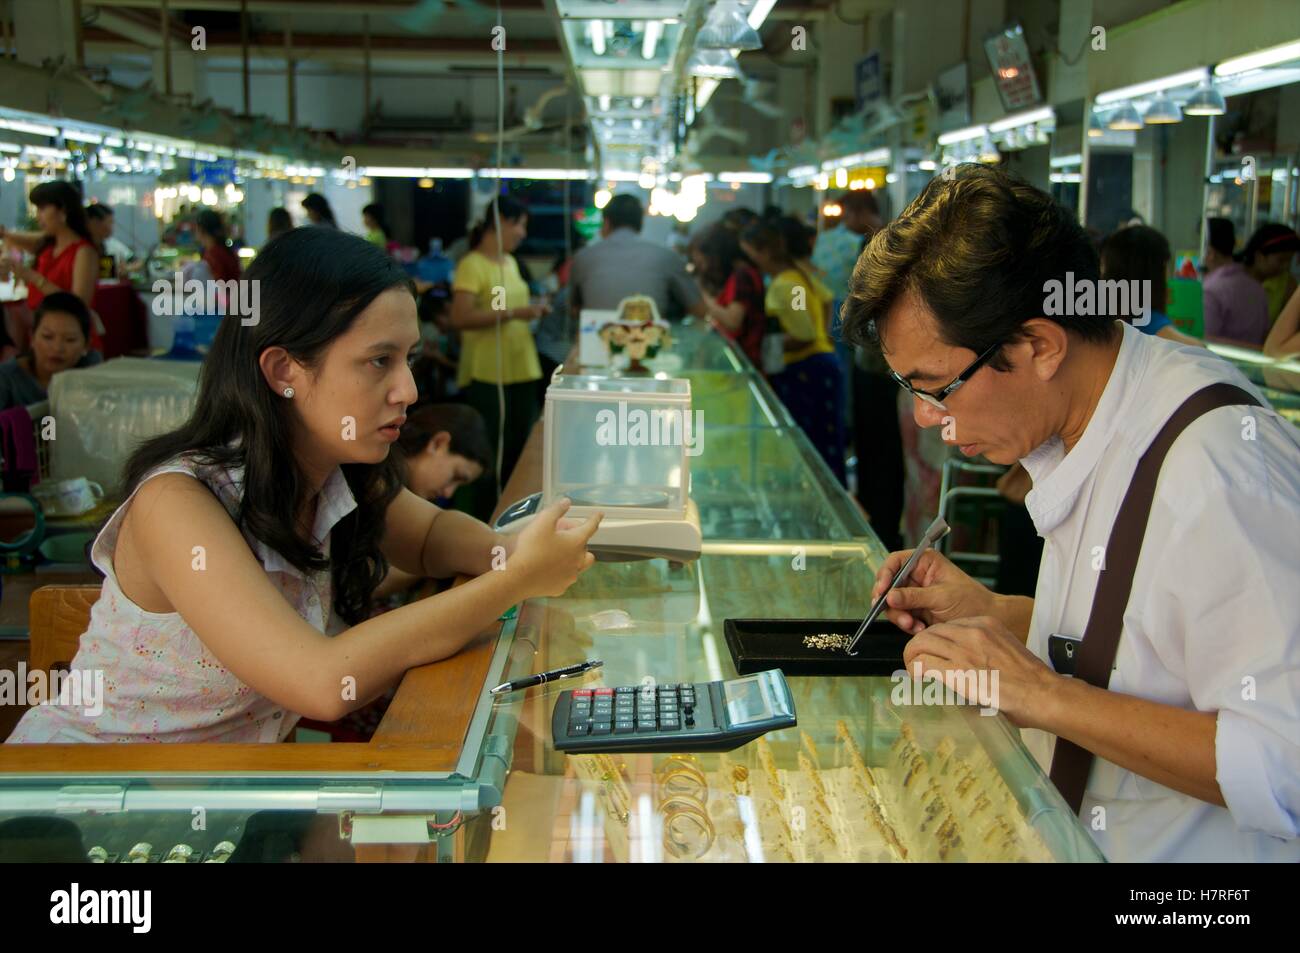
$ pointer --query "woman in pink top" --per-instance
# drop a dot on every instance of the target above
(240, 569)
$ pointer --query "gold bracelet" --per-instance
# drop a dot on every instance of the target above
(680, 814)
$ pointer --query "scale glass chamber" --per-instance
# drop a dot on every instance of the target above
(622, 447)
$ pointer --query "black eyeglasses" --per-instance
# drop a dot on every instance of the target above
(937, 399)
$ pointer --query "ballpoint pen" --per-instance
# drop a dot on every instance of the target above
(541, 678)
(937, 531)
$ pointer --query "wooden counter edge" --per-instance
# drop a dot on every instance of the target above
(423, 730)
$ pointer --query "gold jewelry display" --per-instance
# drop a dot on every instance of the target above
(688, 830)
(139, 854)
(681, 775)
(827, 641)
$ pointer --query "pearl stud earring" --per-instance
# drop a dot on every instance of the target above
(288, 392)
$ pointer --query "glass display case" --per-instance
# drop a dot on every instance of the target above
(1278, 380)
(863, 777)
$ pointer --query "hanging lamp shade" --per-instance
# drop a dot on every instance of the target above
(727, 29)
(1205, 101)
(713, 64)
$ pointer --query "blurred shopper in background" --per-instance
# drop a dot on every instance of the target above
(731, 287)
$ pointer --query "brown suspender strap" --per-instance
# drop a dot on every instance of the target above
(1096, 653)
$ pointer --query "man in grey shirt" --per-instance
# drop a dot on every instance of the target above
(623, 263)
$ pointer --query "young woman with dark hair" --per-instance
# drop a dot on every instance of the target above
(279, 499)
(221, 263)
(278, 221)
(732, 288)
(811, 386)
(490, 307)
(376, 223)
(60, 341)
(318, 210)
(1140, 253)
(67, 258)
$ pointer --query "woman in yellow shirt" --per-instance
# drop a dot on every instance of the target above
(490, 307)
(812, 384)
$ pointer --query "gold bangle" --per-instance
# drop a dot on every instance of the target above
(681, 815)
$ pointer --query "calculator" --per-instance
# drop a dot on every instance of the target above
(707, 716)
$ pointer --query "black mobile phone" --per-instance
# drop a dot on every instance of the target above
(1062, 650)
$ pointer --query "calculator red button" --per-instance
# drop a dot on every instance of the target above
(603, 691)
(582, 693)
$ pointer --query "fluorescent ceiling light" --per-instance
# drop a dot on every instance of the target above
(1023, 119)
(1259, 59)
(874, 157)
(596, 31)
(1186, 78)
(802, 171)
(575, 174)
(653, 31)
(77, 135)
(1057, 162)
(756, 178)
(34, 128)
(759, 13)
(961, 135)
(1066, 177)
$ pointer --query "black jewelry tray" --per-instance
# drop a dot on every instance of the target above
(757, 645)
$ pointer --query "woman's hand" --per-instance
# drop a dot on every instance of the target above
(939, 592)
(529, 312)
(28, 275)
(549, 557)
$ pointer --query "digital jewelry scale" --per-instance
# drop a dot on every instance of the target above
(621, 447)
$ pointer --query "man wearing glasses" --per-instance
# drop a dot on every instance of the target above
(1196, 737)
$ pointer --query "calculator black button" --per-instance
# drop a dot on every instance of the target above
(670, 687)
(669, 724)
(623, 725)
(601, 728)
(580, 728)
(625, 690)
(646, 726)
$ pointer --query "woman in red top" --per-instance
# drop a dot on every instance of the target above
(732, 288)
(66, 256)
(66, 259)
(211, 231)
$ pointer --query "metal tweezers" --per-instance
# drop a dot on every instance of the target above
(937, 531)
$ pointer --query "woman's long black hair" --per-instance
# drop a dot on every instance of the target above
(65, 197)
(313, 284)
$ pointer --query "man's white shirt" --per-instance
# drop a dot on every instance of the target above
(1213, 621)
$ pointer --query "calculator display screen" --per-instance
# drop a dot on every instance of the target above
(748, 700)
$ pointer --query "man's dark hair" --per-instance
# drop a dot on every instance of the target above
(624, 211)
(1138, 253)
(464, 424)
(978, 248)
(1222, 235)
(859, 200)
(98, 211)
